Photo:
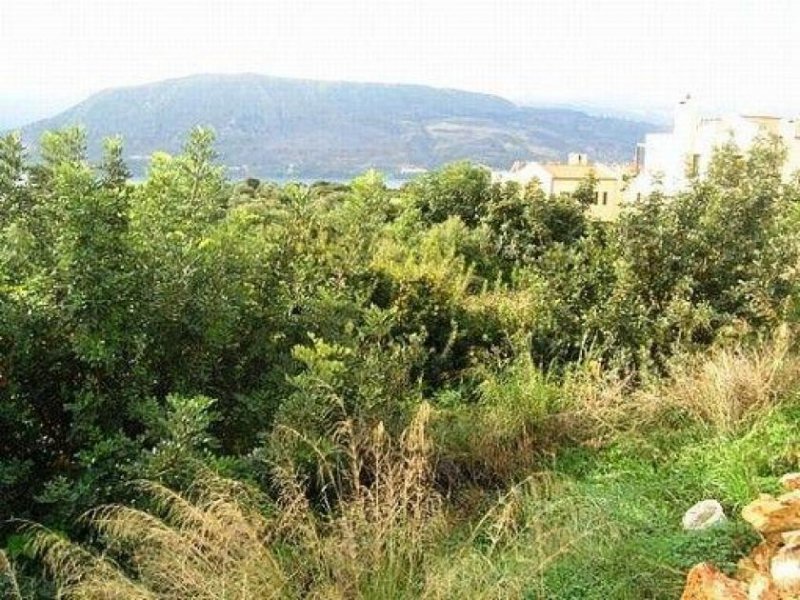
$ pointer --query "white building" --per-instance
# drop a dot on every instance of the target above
(666, 161)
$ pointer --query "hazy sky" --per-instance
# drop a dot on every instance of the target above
(731, 54)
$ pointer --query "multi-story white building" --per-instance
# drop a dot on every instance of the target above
(667, 161)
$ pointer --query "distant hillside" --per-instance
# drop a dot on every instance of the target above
(269, 126)
(659, 116)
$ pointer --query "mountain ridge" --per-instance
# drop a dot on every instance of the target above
(275, 126)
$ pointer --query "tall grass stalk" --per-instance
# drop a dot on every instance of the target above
(216, 541)
(721, 390)
(9, 586)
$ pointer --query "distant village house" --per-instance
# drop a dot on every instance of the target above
(665, 162)
(561, 178)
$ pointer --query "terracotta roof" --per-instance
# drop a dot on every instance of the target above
(562, 171)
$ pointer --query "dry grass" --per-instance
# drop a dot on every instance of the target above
(212, 546)
(723, 390)
(216, 542)
(599, 403)
(727, 389)
(386, 513)
(9, 588)
(384, 534)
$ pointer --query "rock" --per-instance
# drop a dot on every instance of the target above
(706, 582)
(762, 588)
(762, 555)
(785, 571)
(704, 514)
(791, 481)
(747, 570)
(757, 563)
(771, 515)
(791, 538)
(772, 569)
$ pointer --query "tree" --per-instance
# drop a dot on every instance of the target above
(457, 190)
(15, 198)
(114, 171)
(585, 193)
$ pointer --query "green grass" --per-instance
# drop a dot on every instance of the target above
(606, 524)
(638, 490)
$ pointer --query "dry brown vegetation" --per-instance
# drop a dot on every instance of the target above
(217, 541)
(378, 537)
(8, 579)
(725, 389)
(722, 390)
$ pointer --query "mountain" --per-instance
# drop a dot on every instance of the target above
(274, 127)
(659, 116)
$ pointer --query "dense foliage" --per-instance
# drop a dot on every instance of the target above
(151, 330)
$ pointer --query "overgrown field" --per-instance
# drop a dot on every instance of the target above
(456, 389)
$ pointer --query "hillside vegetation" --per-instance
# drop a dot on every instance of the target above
(269, 126)
(217, 389)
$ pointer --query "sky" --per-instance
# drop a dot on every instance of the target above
(731, 55)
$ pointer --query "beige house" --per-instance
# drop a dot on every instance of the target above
(559, 178)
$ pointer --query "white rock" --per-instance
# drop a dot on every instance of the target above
(785, 569)
(703, 515)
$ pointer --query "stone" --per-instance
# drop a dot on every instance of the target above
(762, 588)
(785, 571)
(756, 563)
(704, 514)
(770, 515)
(772, 569)
(706, 582)
(746, 570)
(791, 481)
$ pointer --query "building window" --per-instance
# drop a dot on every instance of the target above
(605, 198)
(597, 197)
